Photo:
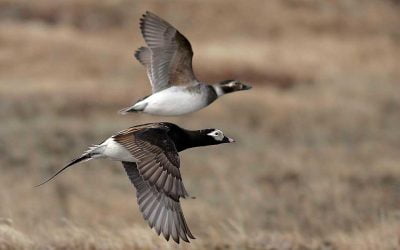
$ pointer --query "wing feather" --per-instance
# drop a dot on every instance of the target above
(170, 53)
(158, 160)
(162, 212)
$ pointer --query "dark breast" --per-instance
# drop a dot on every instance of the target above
(203, 89)
(211, 94)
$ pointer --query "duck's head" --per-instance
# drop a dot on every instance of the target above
(215, 136)
(185, 139)
(229, 86)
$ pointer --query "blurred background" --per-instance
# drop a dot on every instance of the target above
(316, 163)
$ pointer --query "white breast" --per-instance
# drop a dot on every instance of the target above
(175, 101)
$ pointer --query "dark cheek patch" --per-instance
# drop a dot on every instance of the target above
(227, 89)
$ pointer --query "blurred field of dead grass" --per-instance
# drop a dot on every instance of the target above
(316, 165)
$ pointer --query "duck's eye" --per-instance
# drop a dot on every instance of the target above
(218, 135)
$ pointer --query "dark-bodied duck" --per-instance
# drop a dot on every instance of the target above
(149, 154)
(168, 60)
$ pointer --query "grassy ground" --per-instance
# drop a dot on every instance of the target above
(316, 165)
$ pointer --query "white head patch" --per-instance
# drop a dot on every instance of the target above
(232, 83)
(217, 134)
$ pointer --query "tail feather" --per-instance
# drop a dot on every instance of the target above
(125, 111)
(84, 157)
(137, 107)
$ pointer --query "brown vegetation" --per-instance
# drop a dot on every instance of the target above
(316, 165)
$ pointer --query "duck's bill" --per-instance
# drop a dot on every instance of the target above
(228, 140)
(246, 87)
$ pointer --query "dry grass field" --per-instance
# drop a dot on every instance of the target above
(317, 159)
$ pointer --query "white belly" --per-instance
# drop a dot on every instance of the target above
(173, 101)
(115, 151)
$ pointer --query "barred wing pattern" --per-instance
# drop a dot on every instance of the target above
(161, 211)
(157, 179)
(171, 53)
(143, 55)
(158, 159)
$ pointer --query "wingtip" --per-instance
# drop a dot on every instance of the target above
(145, 15)
(191, 236)
(136, 54)
(187, 237)
(177, 240)
(166, 237)
(148, 13)
(138, 51)
(142, 55)
(142, 20)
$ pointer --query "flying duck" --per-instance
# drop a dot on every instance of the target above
(149, 154)
(168, 61)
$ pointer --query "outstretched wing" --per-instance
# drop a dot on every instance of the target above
(162, 212)
(171, 53)
(143, 55)
(158, 160)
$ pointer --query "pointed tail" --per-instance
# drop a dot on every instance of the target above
(137, 107)
(84, 157)
(125, 111)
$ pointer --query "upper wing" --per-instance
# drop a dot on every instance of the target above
(143, 55)
(171, 53)
(160, 210)
(158, 160)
